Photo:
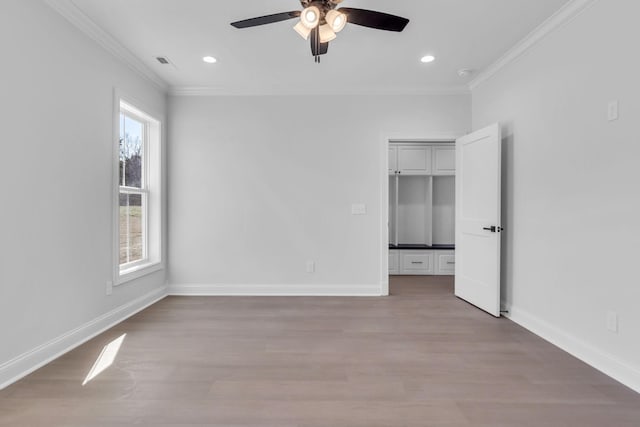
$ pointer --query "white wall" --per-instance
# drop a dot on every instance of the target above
(572, 205)
(56, 117)
(260, 185)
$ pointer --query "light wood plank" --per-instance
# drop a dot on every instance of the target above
(419, 357)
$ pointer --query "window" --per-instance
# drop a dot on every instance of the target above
(133, 189)
(138, 206)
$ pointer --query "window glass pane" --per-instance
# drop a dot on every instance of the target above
(131, 152)
(131, 228)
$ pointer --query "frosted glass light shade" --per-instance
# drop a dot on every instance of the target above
(337, 20)
(326, 33)
(302, 30)
(310, 17)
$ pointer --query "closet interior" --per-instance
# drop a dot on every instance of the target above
(421, 208)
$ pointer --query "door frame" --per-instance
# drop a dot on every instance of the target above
(385, 139)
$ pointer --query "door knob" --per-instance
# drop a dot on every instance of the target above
(494, 229)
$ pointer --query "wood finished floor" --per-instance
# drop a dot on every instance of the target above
(418, 358)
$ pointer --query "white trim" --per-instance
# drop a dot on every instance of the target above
(79, 19)
(136, 113)
(567, 13)
(372, 290)
(138, 107)
(431, 137)
(284, 91)
(23, 365)
(617, 369)
(384, 215)
(153, 121)
(138, 271)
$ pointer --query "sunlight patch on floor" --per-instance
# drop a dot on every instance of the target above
(106, 358)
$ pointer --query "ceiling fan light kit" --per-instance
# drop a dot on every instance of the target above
(310, 17)
(337, 20)
(326, 33)
(321, 21)
(302, 30)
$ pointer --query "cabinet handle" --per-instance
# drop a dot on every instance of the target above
(416, 262)
(451, 262)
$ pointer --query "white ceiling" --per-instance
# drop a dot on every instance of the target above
(274, 59)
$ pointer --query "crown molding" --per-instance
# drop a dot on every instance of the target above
(278, 91)
(563, 16)
(73, 14)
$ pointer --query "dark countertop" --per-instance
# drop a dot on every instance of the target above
(423, 247)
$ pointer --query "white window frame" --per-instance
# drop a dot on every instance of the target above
(151, 191)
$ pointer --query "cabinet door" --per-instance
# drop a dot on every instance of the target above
(414, 160)
(394, 262)
(444, 160)
(393, 160)
(445, 263)
(417, 262)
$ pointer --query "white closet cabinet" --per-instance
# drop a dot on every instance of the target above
(410, 159)
(417, 262)
(445, 263)
(394, 259)
(444, 160)
(421, 208)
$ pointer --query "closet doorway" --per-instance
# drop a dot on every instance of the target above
(430, 188)
(419, 207)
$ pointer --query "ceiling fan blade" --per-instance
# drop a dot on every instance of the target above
(317, 48)
(373, 19)
(268, 19)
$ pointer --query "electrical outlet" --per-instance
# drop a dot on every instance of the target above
(109, 287)
(612, 111)
(612, 321)
(311, 266)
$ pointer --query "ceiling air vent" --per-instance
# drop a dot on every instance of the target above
(162, 60)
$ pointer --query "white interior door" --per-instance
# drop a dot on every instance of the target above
(478, 198)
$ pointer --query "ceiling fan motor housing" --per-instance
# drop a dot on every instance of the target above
(324, 6)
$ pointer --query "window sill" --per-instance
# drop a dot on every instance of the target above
(138, 271)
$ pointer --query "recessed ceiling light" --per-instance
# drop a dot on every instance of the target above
(427, 59)
(209, 59)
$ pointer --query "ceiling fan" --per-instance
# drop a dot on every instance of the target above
(320, 21)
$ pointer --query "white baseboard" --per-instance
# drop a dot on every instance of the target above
(23, 365)
(608, 364)
(275, 290)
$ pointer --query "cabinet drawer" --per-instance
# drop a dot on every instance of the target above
(445, 263)
(394, 262)
(417, 263)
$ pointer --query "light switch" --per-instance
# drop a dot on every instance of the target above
(311, 266)
(612, 111)
(358, 209)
